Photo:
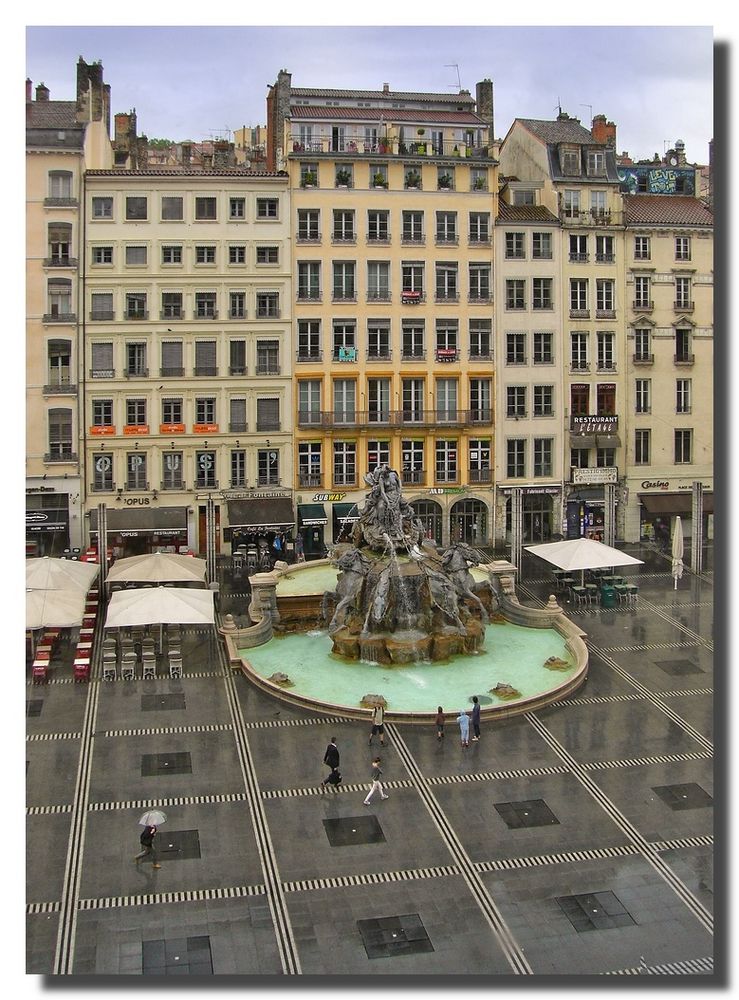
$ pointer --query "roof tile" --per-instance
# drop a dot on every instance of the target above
(666, 210)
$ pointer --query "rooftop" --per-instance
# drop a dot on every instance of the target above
(560, 130)
(666, 210)
(464, 97)
(525, 213)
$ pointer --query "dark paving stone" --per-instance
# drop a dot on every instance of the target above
(595, 911)
(533, 812)
(678, 668)
(162, 702)
(353, 830)
(155, 764)
(687, 796)
(387, 937)
(34, 707)
(178, 845)
(187, 956)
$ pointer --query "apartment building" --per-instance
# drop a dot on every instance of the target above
(393, 197)
(63, 138)
(187, 368)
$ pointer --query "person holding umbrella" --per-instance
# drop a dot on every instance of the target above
(149, 821)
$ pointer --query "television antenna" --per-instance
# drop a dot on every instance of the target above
(591, 109)
(459, 80)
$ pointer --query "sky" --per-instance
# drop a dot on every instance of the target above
(188, 82)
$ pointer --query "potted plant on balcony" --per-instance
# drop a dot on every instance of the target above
(343, 177)
(309, 179)
(479, 184)
(421, 131)
(412, 179)
(445, 181)
(379, 180)
(386, 144)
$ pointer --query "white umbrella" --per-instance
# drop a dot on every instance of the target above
(582, 554)
(160, 605)
(158, 567)
(153, 817)
(54, 608)
(677, 550)
(68, 575)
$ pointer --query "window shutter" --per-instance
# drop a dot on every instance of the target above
(238, 412)
(171, 354)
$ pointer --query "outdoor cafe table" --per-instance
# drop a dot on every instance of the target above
(592, 591)
(579, 593)
(43, 654)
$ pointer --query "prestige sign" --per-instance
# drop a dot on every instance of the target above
(594, 477)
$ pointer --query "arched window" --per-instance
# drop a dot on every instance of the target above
(469, 522)
(429, 513)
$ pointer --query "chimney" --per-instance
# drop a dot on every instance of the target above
(186, 153)
(484, 105)
(604, 131)
(223, 154)
(42, 92)
(29, 90)
(386, 88)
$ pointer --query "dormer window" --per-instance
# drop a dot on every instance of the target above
(596, 163)
(570, 160)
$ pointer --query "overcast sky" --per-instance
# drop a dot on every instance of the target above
(655, 83)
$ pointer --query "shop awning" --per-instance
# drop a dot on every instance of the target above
(270, 514)
(345, 513)
(609, 441)
(582, 441)
(155, 521)
(311, 514)
(674, 503)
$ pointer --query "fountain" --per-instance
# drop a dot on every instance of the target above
(391, 614)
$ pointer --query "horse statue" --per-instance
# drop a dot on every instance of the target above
(444, 596)
(456, 563)
(353, 568)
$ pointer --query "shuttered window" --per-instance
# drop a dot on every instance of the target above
(268, 414)
(102, 361)
(237, 415)
(205, 357)
(172, 358)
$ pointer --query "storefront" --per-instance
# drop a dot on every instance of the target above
(256, 520)
(430, 514)
(659, 509)
(468, 522)
(141, 531)
(47, 524)
(540, 512)
(586, 502)
(312, 520)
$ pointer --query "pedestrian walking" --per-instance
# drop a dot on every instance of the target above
(475, 719)
(147, 842)
(299, 553)
(464, 728)
(331, 760)
(376, 785)
(378, 724)
(440, 724)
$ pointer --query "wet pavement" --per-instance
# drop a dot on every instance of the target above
(576, 840)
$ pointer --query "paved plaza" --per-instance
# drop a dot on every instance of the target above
(576, 840)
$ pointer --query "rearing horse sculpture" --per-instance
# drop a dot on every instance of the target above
(456, 563)
(353, 570)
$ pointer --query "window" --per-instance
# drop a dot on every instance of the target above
(515, 348)
(606, 356)
(205, 209)
(343, 231)
(641, 446)
(479, 227)
(642, 344)
(571, 204)
(605, 457)
(598, 204)
(378, 280)
(642, 389)
(171, 411)
(308, 225)
(236, 254)
(171, 255)
(205, 255)
(515, 458)
(413, 390)
(682, 293)
(541, 246)
(205, 358)
(579, 350)
(378, 340)
(478, 179)
(136, 360)
(446, 461)
(515, 400)
(642, 249)
(447, 338)
(308, 174)
(237, 305)
(172, 208)
(479, 456)
(172, 366)
(171, 305)
(682, 395)
(101, 360)
(136, 412)
(60, 185)
(378, 226)
(412, 231)
(60, 433)
(412, 453)
(102, 473)
(237, 209)
(524, 196)
(413, 341)
(268, 467)
(605, 398)
(60, 242)
(136, 256)
(344, 287)
(102, 208)
(605, 296)
(238, 467)
(412, 277)
(345, 463)
(578, 248)
(579, 399)
(101, 306)
(345, 401)
(205, 305)
(683, 338)
(543, 353)
(344, 174)
(642, 292)
(541, 293)
(480, 337)
(578, 295)
(515, 246)
(102, 413)
(446, 399)
(59, 355)
(309, 281)
(205, 470)
(515, 293)
(480, 400)
(237, 357)
(596, 163)
(446, 282)
(268, 305)
(683, 447)
(102, 255)
(682, 248)
(136, 208)
(446, 227)
(268, 255)
(237, 415)
(309, 340)
(344, 341)
(309, 402)
(136, 305)
(569, 158)
(268, 357)
(542, 456)
(378, 400)
(172, 470)
(309, 463)
(543, 400)
(205, 410)
(267, 208)
(378, 453)
(604, 252)
(60, 297)
(479, 279)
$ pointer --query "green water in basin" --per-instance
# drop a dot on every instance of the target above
(318, 579)
(512, 655)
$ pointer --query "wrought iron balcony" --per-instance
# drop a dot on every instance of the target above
(61, 317)
(134, 486)
(306, 479)
(382, 146)
(60, 262)
(60, 456)
(238, 427)
(643, 305)
(172, 484)
(643, 359)
(305, 356)
(684, 359)
(171, 372)
(413, 477)
(682, 305)
(60, 389)
(480, 475)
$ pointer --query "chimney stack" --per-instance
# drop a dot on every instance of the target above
(484, 105)
(604, 131)
(29, 89)
(386, 88)
(42, 92)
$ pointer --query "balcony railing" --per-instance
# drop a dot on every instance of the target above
(210, 371)
(571, 217)
(62, 317)
(61, 203)
(206, 484)
(172, 484)
(580, 366)
(102, 373)
(268, 425)
(268, 368)
(205, 314)
(306, 479)
(137, 314)
(643, 305)
(135, 486)
(480, 475)
(413, 477)
(395, 418)
(238, 427)
(60, 456)
(102, 487)
(684, 306)
(60, 389)
(171, 372)
(606, 366)
(579, 314)
(135, 372)
(381, 147)
(643, 359)
(60, 262)
(237, 370)
(684, 359)
(605, 313)
(171, 313)
(381, 354)
(304, 356)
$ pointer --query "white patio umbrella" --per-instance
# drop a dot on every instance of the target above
(160, 606)
(54, 609)
(157, 567)
(68, 575)
(582, 554)
(677, 550)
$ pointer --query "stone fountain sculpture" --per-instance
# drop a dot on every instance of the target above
(397, 600)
